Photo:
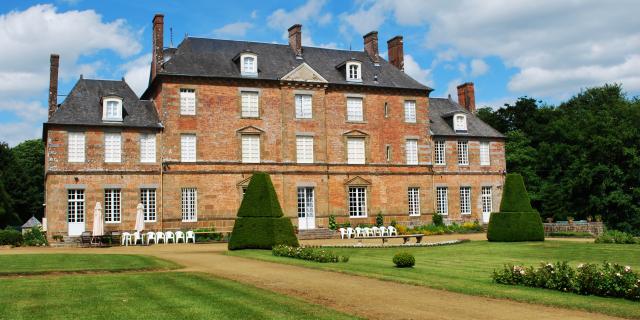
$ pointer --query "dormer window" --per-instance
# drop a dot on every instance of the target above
(354, 71)
(249, 64)
(112, 109)
(460, 123)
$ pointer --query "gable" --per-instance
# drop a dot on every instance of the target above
(357, 181)
(250, 130)
(304, 73)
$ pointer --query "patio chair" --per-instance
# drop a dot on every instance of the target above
(343, 232)
(350, 232)
(85, 238)
(368, 232)
(160, 236)
(151, 236)
(383, 231)
(179, 236)
(137, 237)
(126, 238)
(376, 231)
(392, 231)
(191, 235)
(169, 236)
(359, 232)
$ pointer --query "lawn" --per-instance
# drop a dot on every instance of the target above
(467, 268)
(152, 295)
(43, 263)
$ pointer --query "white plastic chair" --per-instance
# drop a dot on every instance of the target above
(368, 232)
(137, 237)
(376, 231)
(343, 232)
(350, 232)
(160, 236)
(169, 236)
(151, 236)
(180, 236)
(392, 231)
(191, 235)
(126, 238)
(383, 231)
(359, 232)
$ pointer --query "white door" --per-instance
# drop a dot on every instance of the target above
(485, 217)
(306, 209)
(487, 204)
(75, 211)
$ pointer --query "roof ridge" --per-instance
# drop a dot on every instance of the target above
(277, 44)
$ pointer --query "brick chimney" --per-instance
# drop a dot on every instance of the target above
(295, 39)
(371, 46)
(158, 46)
(53, 83)
(395, 49)
(467, 96)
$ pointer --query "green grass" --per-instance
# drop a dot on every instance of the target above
(156, 295)
(44, 263)
(467, 268)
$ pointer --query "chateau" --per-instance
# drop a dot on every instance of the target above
(343, 133)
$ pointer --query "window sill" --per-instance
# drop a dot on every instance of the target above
(311, 118)
(414, 215)
(358, 217)
(112, 222)
(250, 118)
(189, 220)
(356, 121)
(188, 115)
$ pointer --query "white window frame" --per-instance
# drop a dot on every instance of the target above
(356, 150)
(250, 144)
(413, 198)
(148, 200)
(463, 152)
(75, 205)
(439, 152)
(442, 201)
(465, 200)
(411, 149)
(187, 102)
(353, 71)
(188, 147)
(357, 201)
(459, 122)
(112, 147)
(148, 147)
(249, 104)
(410, 115)
(112, 205)
(304, 106)
(249, 69)
(189, 204)
(304, 149)
(486, 199)
(75, 147)
(355, 109)
(109, 114)
(485, 153)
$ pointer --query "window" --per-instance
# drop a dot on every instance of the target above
(112, 205)
(485, 157)
(460, 122)
(357, 201)
(386, 109)
(354, 109)
(388, 153)
(112, 109)
(442, 203)
(439, 152)
(465, 200)
(148, 200)
(148, 147)
(250, 104)
(463, 152)
(304, 149)
(250, 148)
(412, 151)
(187, 101)
(76, 146)
(188, 148)
(355, 151)
(414, 201)
(75, 205)
(487, 203)
(410, 111)
(189, 204)
(249, 64)
(305, 202)
(303, 106)
(112, 147)
(353, 71)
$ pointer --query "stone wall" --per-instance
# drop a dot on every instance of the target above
(595, 228)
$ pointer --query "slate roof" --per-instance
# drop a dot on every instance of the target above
(32, 222)
(215, 58)
(442, 109)
(83, 105)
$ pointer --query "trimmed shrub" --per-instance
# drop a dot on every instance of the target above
(332, 222)
(379, 220)
(404, 260)
(35, 237)
(10, 237)
(619, 237)
(317, 255)
(260, 223)
(437, 219)
(515, 197)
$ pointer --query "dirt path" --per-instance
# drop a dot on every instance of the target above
(366, 297)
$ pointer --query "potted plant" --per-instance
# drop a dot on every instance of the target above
(570, 219)
(598, 218)
(550, 220)
(589, 218)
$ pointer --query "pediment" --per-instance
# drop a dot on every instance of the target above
(244, 182)
(304, 73)
(357, 181)
(250, 130)
(355, 133)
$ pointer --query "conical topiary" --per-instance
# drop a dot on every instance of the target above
(260, 223)
(517, 220)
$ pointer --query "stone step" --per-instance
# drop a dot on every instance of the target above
(320, 233)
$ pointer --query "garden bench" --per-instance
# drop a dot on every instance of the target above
(404, 237)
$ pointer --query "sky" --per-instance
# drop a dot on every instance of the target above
(546, 49)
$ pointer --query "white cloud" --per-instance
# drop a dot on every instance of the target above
(136, 73)
(413, 69)
(452, 88)
(16, 132)
(367, 19)
(310, 11)
(254, 14)
(237, 29)
(30, 111)
(496, 103)
(478, 67)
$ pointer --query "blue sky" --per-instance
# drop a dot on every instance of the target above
(546, 49)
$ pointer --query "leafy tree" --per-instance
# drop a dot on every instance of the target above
(28, 192)
(7, 213)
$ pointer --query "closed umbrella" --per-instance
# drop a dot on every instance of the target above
(98, 222)
(140, 218)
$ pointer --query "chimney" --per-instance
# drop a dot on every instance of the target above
(53, 83)
(371, 46)
(467, 96)
(396, 52)
(158, 48)
(295, 39)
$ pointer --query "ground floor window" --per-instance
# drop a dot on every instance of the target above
(487, 205)
(465, 200)
(357, 201)
(75, 205)
(148, 200)
(414, 201)
(189, 204)
(442, 203)
(112, 205)
(305, 202)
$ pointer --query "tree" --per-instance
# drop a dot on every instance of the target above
(7, 213)
(28, 191)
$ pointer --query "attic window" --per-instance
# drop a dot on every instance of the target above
(112, 109)
(354, 71)
(460, 123)
(249, 64)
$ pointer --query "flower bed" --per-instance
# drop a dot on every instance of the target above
(619, 237)
(608, 280)
(317, 255)
(434, 229)
(387, 245)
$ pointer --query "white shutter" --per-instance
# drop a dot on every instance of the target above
(354, 109)
(148, 147)
(355, 151)
(304, 106)
(485, 157)
(251, 148)
(75, 147)
(304, 149)
(250, 104)
(410, 111)
(412, 152)
(112, 147)
(187, 101)
(188, 148)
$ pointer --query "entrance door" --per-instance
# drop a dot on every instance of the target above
(306, 208)
(487, 204)
(75, 212)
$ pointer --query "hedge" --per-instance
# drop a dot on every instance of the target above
(10, 237)
(515, 197)
(515, 226)
(260, 199)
